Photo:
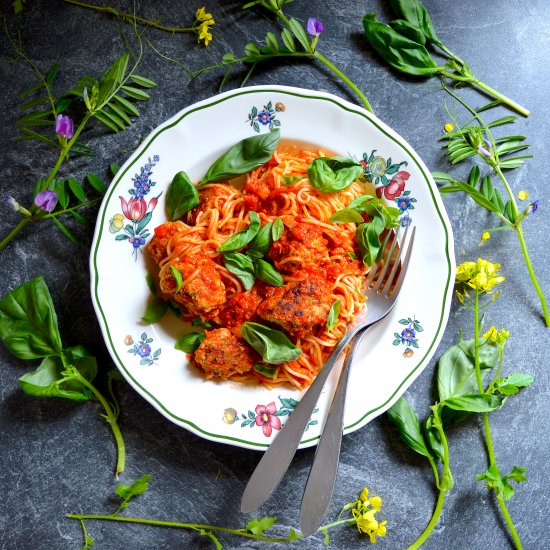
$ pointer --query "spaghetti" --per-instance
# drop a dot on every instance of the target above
(318, 262)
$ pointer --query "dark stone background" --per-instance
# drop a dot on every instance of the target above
(57, 456)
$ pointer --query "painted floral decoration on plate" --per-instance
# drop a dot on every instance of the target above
(407, 337)
(266, 116)
(136, 209)
(142, 348)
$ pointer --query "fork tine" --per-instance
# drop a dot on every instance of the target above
(395, 266)
(382, 275)
(404, 264)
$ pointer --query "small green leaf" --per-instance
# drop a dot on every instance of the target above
(273, 345)
(511, 384)
(333, 174)
(251, 50)
(142, 81)
(242, 238)
(277, 229)
(155, 310)
(288, 40)
(478, 402)
(267, 273)
(260, 526)
(241, 266)
(181, 197)
(127, 105)
(177, 277)
(415, 13)
(138, 487)
(333, 314)
(96, 182)
(408, 426)
(272, 43)
(265, 370)
(262, 241)
(76, 189)
(135, 93)
(346, 215)
(300, 34)
(190, 342)
(289, 181)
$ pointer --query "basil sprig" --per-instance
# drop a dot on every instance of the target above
(242, 238)
(333, 314)
(368, 233)
(273, 345)
(28, 329)
(244, 156)
(181, 197)
(333, 174)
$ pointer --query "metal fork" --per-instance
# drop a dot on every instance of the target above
(382, 291)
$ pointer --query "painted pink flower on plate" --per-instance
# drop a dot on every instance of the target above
(265, 417)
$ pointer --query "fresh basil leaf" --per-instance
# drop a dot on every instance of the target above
(289, 181)
(273, 345)
(367, 236)
(265, 370)
(333, 174)
(177, 277)
(242, 238)
(359, 203)
(151, 284)
(254, 254)
(155, 310)
(400, 52)
(28, 322)
(51, 380)
(408, 426)
(346, 215)
(262, 240)
(511, 384)
(267, 273)
(456, 373)
(332, 317)
(241, 266)
(181, 197)
(475, 402)
(500, 484)
(244, 156)
(409, 30)
(277, 229)
(190, 342)
(414, 12)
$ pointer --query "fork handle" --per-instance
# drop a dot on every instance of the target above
(322, 476)
(276, 460)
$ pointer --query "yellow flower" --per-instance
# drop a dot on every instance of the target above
(523, 195)
(364, 516)
(229, 416)
(498, 337)
(204, 33)
(481, 276)
(376, 503)
(381, 531)
(486, 236)
(448, 127)
(364, 494)
(116, 223)
(201, 15)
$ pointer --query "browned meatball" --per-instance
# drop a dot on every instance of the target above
(163, 233)
(298, 306)
(204, 292)
(222, 354)
(303, 245)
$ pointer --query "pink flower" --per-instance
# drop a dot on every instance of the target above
(266, 418)
(395, 187)
(64, 126)
(135, 209)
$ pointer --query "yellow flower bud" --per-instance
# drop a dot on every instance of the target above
(364, 494)
(448, 127)
(523, 195)
(376, 503)
(486, 236)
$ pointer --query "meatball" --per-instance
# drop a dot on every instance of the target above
(298, 306)
(222, 354)
(303, 245)
(211, 197)
(163, 233)
(240, 309)
(204, 292)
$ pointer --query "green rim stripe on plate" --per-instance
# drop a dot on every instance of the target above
(146, 147)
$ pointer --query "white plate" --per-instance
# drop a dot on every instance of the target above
(393, 353)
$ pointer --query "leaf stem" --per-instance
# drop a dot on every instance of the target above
(111, 419)
(519, 230)
(491, 91)
(129, 17)
(487, 426)
(351, 84)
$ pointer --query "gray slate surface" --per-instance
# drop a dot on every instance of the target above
(56, 456)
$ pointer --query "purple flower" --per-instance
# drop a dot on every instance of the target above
(408, 335)
(46, 200)
(484, 149)
(405, 221)
(64, 126)
(534, 206)
(314, 26)
(264, 117)
(144, 350)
